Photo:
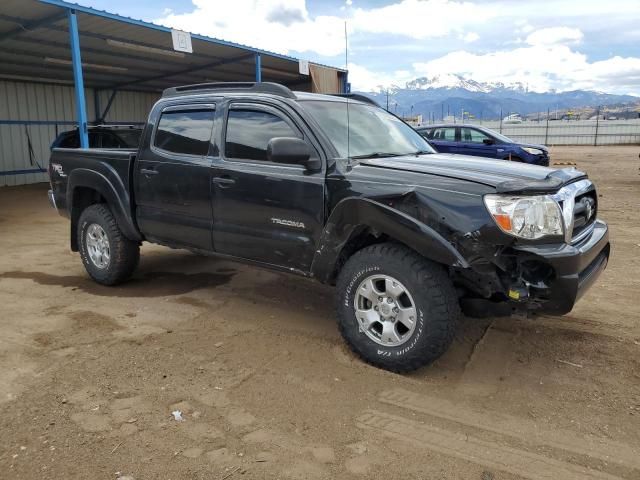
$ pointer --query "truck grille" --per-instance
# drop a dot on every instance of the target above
(579, 204)
(584, 212)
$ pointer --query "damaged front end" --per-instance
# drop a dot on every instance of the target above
(545, 273)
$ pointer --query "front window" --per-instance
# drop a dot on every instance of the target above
(249, 133)
(363, 130)
(471, 135)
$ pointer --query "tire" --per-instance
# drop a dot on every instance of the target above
(428, 288)
(516, 159)
(113, 261)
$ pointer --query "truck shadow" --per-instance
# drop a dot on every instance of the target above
(146, 285)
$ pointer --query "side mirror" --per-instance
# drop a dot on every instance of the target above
(292, 151)
(488, 141)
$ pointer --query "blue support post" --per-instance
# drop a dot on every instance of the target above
(81, 106)
(258, 68)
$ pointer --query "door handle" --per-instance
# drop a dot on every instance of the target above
(223, 182)
(146, 171)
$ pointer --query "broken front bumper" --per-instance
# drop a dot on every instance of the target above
(575, 268)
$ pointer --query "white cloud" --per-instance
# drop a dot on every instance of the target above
(544, 58)
(285, 25)
(471, 37)
(276, 25)
(365, 80)
(555, 35)
(541, 67)
(421, 19)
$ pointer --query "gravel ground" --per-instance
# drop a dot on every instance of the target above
(89, 375)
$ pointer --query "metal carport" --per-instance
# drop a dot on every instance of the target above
(63, 64)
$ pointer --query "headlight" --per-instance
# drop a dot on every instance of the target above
(533, 151)
(528, 217)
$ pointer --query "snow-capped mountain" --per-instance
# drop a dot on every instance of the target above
(449, 81)
(447, 94)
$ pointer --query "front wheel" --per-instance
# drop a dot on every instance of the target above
(108, 256)
(396, 310)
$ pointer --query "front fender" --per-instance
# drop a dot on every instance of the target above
(109, 185)
(354, 215)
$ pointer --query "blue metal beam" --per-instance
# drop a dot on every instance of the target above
(27, 27)
(258, 68)
(22, 172)
(37, 122)
(81, 106)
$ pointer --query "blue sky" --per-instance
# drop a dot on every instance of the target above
(559, 44)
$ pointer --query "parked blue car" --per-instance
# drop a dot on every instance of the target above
(482, 142)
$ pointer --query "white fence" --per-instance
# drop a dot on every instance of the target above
(571, 132)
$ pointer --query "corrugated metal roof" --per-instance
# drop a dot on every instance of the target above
(123, 52)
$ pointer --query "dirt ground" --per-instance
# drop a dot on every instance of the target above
(90, 375)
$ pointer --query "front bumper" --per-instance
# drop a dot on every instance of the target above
(575, 267)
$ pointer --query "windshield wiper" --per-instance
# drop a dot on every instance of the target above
(421, 152)
(376, 155)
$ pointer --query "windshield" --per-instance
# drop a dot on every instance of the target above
(369, 131)
(497, 135)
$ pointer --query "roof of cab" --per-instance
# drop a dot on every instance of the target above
(268, 88)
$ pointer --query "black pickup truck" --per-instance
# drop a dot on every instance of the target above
(335, 188)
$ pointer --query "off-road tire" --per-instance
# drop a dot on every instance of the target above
(432, 292)
(124, 253)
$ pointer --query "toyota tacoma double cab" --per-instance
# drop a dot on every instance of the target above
(334, 188)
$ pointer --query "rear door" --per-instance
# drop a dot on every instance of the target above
(173, 177)
(473, 143)
(444, 139)
(263, 211)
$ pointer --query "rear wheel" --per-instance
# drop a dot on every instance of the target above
(108, 256)
(396, 309)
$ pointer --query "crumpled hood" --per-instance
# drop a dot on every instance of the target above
(503, 175)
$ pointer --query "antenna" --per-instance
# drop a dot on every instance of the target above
(346, 67)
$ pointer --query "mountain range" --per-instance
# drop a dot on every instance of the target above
(444, 95)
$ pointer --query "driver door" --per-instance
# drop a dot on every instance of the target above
(263, 211)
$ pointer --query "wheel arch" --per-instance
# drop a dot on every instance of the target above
(356, 223)
(87, 187)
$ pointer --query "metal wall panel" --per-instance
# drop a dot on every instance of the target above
(29, 101)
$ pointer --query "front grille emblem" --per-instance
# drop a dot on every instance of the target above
(588, 207)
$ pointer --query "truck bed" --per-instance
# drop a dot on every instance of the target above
(114, 164)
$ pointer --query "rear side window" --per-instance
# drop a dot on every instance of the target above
(447, 134)
(186, 132)
(249, 132)
(426, 133)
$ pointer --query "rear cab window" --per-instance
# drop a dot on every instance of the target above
(185, 130)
